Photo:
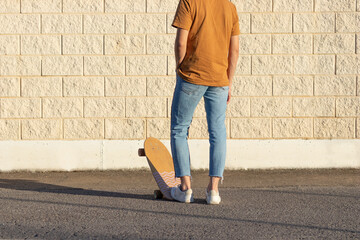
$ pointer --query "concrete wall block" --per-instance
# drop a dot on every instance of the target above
(145, 23)
(314, 64)
(334, 128)
(335, 85)
(314, 107)
(62, 65)
(9, 87)
(271, 107)
(82, 44)
(272, 64)
(171, 64)
(334, 43)
(104, 23)
(335, 6)
(10, 6)
(158, 128)
(348, 22)
(41, 129)
(62, 107)
(9, 129)
(125, 128)
(80, 6)
(292, 44)
(160, 44)
(348, 107)
(244, 22)
(162, 5)
(41, 6)
(9, 44)
(125, 6)
(125, 44)
(271, 23)
(348, 64)
(250, 128)
(83, 128)
(314, 22)
(104, 107)
(255, 43)
(20, 65)
(169, 20)
(104, 65)
(160, 86)
(125, 86)
(20, 108)
(238, 107)
(292, 128)
(20, 23)
(199, 110)
(83, 86)
(41, 86)
(293, 5)
(146, 65)
(252, 86)
(293, 85)
(146, 107)
(243, 66)
(253, 6)
(40, 44)
(61, 23)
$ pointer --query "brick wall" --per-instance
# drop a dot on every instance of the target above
(104, 69)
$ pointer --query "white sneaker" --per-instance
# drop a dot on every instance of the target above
(182, 196)
(213, 197)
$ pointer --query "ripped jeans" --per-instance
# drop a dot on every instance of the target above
(185, 99)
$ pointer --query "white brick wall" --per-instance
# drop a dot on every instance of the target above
(101, 69)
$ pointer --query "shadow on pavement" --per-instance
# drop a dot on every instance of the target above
(29, 185)
(34, 186)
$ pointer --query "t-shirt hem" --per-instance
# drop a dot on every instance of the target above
(199, 81)
(177, 25)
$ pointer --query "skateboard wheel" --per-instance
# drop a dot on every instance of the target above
(158, 194)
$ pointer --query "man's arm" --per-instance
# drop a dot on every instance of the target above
(180, 45)
(232, 60)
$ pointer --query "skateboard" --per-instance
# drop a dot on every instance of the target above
(161, 165)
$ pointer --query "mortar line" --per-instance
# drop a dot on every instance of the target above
(20, 44)
(355, 130)
(104, 6)
(103, 45)
(313, 6)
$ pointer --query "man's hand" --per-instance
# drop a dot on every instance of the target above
(229, 96)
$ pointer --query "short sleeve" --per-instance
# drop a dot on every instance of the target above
(182, 18)
(236, 28)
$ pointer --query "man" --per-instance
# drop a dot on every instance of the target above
(206, 53)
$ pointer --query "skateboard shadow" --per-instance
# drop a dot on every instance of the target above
(34, 186)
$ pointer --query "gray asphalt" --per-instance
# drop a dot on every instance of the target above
(287, 204)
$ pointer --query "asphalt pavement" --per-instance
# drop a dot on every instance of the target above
(271, 204)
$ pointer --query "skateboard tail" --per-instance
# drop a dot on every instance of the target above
(166, 181)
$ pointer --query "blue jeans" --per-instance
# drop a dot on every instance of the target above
(186, 98)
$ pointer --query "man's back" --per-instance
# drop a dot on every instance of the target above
(211, 23)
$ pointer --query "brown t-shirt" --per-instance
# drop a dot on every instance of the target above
(211, 23)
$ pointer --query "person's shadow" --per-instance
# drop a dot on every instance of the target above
(30, 185)
(34, 186)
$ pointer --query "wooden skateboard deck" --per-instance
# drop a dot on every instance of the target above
(161, 165)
